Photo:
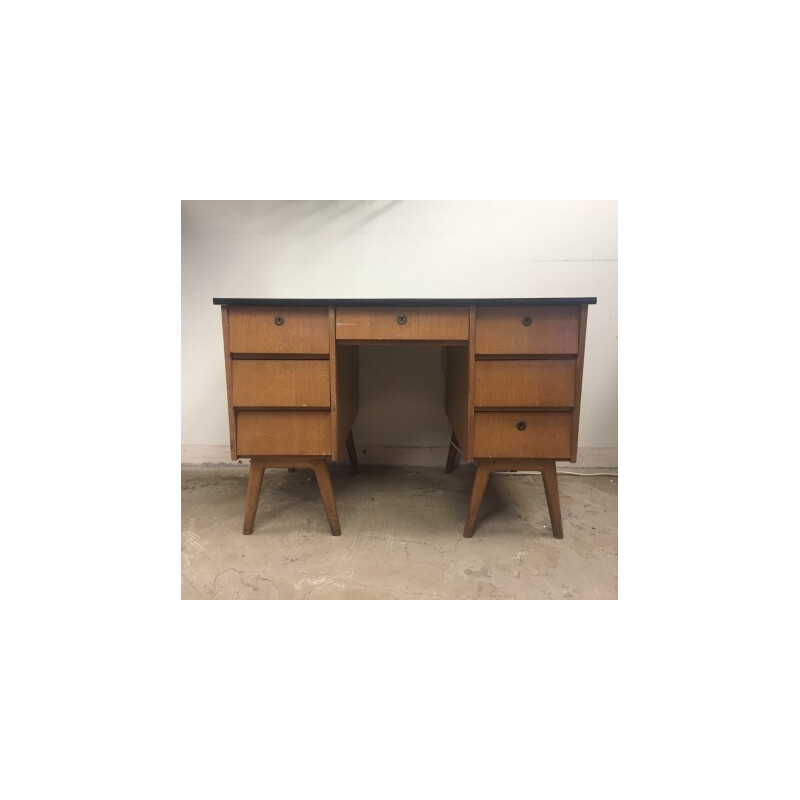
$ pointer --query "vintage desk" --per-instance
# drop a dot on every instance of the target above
(513, 383)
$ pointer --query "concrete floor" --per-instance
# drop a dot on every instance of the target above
(401, 537)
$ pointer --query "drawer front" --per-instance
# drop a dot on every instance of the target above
(282, 383)
(402, 323)
(515, 384)
(283, 433)
(545, 330)
(279, 329)
(544, 434)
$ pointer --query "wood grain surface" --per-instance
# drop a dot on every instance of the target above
(283, 433)
(515, 384)
(546, 434)
(281, 383)
(256, 330)
(422, 324)
(552, 329)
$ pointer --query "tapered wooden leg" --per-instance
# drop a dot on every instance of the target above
(320, 467)
(253, 492)
(551, 493)
(351, 452)
(478, 489)
(452, 454)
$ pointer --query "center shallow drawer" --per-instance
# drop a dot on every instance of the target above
(279, 329)
(545, 330)
(514, 384)
(282, 383)
(402, 323)
(283, 433)
(513, 434)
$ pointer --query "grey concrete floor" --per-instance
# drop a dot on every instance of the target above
(401, 537)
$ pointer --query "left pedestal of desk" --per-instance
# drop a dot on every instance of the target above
(281, 372)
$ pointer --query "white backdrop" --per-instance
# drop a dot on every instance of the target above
(411, 249)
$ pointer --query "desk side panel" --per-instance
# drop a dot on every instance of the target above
(456, 393)
(346, 391)
(229, 379)
(469, 450)
(576, 414)
(333, 382)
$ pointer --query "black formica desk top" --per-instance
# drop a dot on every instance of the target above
(405, 301)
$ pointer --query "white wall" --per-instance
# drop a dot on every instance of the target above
(363, 249)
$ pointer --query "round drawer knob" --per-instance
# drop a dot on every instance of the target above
(279, 320)
(401, 319)
(521, 426)
(526, 321)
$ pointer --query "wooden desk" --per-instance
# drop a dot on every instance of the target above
(513, 383)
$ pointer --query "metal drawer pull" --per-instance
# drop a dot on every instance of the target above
(279, 320)
(526, 321)
(401, 319)
(521, 426)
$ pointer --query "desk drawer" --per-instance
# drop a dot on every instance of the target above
(279, 329)
(402, 323)
(283, 433)
(544, 330)
(282, 382)
(543, 434)
(517, 384)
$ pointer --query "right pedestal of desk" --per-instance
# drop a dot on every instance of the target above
(513, 395)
